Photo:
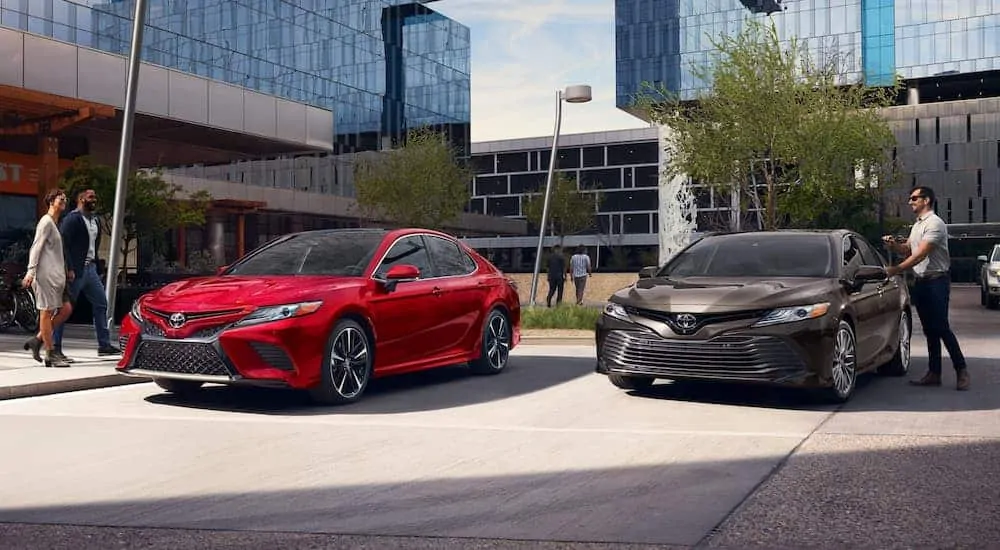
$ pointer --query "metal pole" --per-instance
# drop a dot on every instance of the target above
(545, 204)
(124, 157)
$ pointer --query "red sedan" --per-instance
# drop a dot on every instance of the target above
(327, 311)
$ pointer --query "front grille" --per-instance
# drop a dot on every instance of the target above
(151, 329)
(273, 356)
(123, 340)
(179, 357)
(724, 357)
(700, 319)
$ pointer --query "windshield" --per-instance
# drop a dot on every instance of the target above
(344, 253)
(996, 254)
(755, 255)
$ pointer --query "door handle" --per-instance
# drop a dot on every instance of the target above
(437, 291)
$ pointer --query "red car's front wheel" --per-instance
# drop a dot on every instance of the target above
(347, 365)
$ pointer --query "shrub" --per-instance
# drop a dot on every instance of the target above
(571, 317)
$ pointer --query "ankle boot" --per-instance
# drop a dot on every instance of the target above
(35, 345)
(54, 360)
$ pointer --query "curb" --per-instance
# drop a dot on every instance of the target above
(65, 386)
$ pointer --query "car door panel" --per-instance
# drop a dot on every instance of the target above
(884, 329)
(465, 295)
(866, 302)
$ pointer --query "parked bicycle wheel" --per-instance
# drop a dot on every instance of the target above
(25, 312)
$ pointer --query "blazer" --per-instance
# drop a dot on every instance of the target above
(76, 241)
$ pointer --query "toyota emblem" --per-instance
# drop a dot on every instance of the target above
(686, 321)
(177, 320)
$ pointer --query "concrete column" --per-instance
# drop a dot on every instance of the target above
(217, 237)
(48, 177)
(912, 95)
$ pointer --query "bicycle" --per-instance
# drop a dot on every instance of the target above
(17, 305)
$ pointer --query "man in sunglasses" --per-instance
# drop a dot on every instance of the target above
(927, 255)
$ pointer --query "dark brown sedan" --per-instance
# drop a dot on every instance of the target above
(810, 309)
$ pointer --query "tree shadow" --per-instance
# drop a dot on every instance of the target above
(441, 388)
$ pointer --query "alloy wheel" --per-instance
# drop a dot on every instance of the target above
(844, 361)
(349, 358)
(498, 342)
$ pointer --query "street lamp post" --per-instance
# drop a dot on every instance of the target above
(572, 94)
(124, 157)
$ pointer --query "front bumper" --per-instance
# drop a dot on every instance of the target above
(773, 356)
(209, 356)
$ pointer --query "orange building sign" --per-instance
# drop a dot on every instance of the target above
(22, 174)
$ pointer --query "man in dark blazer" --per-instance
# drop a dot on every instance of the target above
(81, 234)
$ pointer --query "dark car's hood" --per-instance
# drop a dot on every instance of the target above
(710, 294)
(233, 292)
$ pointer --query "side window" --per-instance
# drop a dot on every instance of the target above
(868, 254)
(851, 253)
(449, 260)
(408, 250)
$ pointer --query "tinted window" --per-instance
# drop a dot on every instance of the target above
(996, 255)
(345, 253)
(409, 251)
(755, 255)
(449, 260)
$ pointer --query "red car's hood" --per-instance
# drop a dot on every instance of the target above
(231, 292)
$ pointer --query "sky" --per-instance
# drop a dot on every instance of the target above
(523, 51)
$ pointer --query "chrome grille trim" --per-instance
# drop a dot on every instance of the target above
(734, 357)
(179, 357)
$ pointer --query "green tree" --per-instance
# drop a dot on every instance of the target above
(152, 205)
(421, 184)
(789, 132)
(570, 210)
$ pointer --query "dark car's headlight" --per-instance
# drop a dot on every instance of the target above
(278, 313)
(616, 311)
(792, 314)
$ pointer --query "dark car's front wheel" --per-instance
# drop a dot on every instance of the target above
(347, 365)
(630, 382)
(844, 367)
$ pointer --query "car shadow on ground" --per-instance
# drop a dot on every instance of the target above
(873, 393)
(441, 388)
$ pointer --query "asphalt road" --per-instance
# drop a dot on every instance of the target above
(547, 452)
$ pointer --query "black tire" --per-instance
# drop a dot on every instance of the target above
(631, 382)
(347, 365)
(984, 297)
(900, 363)
(25, 311)
(844, 365)
(993, 302)
(496, 342)
(179, 387)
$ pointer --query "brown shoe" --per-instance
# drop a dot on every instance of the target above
(963, 380)
(929, 379)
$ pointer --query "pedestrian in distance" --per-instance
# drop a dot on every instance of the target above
(47, 277)
(82, 236)
(926, 253)
(581, 269)
(556, 275)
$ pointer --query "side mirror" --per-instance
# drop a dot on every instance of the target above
(398, 274)
(981, 259)
(868, 273)
(648, 272)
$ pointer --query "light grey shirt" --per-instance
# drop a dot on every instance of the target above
(580, 265)
(930, 227)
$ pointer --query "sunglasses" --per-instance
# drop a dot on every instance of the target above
(915, 198)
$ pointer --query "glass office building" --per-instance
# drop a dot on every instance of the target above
(659, 41)
(381, 66)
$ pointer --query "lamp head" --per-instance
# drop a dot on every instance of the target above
(577, 94)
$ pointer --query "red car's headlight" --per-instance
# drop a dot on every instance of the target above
(277, 313)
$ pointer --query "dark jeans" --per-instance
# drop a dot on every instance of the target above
(89, 284)
(931, 298)
(555, 287)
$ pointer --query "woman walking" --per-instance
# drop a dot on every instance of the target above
(47, 277)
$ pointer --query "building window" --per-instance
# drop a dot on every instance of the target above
(512, 162)
(634, 153)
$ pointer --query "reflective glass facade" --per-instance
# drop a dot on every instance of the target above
(658, 41)
(380, 65)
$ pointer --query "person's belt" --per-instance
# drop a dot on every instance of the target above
(931, 275)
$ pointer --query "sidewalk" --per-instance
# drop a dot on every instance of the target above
(22, 376)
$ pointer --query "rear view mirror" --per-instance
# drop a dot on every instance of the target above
(648, 272)
(981, 259)
(868, 273)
